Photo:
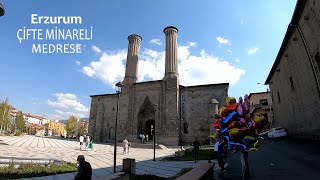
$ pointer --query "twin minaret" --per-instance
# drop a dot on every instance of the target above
(171, 59)
(131, 75)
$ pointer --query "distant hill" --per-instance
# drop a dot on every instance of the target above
(66, 120)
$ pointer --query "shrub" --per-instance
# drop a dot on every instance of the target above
(18, 133)
(30, 170)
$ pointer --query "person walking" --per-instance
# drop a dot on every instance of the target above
(84, 169)
(88, 141)
(147, 138)
(85, 141)
(196, 149)
(125, 146)
(129, 145)
(81, 139)
(142, 139)
(221, 149)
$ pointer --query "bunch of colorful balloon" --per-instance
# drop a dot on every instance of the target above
(237, 124)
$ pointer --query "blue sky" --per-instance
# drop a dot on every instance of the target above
(219, 41)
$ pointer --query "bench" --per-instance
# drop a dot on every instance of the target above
(204, 171)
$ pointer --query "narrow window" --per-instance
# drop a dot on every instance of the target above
(291, 83)
(279, 100)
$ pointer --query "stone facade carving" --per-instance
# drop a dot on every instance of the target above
(158, 104)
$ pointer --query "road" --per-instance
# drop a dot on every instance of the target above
(279, 159)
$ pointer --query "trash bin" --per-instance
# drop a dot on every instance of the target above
(129, 165)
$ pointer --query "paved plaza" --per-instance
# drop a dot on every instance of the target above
(100, 158)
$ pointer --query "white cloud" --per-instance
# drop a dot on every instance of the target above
(252, 50)
(63, 115)
(198, 69)
(207, 69)
(155, 42)
(151, 65)
(96, 49)
(78, 63)
(192, 44)
(222, 40)
(109, 68)
(237, 60)
(68, 101)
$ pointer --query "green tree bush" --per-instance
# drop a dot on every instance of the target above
(20, 124)
(71, 125)
(5, 109)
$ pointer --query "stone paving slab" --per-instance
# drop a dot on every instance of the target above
(100, 158)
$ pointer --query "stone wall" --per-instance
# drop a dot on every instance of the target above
(293, 86)
(195, 112)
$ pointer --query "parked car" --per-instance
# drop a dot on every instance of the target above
(277, 132)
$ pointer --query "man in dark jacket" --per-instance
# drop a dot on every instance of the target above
(84, 169)
(196, 145)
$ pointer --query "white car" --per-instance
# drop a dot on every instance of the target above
(277, 132)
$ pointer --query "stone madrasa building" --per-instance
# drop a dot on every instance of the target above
(177, 113)
(294, 78)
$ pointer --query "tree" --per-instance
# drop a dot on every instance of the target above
(71, 125)
(46, 128)
(5, 109)
(20, 122)
(83, 129)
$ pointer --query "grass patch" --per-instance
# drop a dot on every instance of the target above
(205, 152)
(18, 133)
(29, 170)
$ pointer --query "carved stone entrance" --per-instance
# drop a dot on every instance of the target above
(146, 117)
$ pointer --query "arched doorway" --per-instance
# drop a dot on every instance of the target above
(150, 128)
(146, 118)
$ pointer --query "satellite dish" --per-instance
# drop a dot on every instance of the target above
(1, 9)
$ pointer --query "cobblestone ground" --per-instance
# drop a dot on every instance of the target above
(100, 158)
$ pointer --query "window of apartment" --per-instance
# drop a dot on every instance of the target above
(279, 100)
(291, 83)
(264, 102)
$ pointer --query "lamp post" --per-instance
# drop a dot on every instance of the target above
(1, 9)
(119, 85)
(154, 137)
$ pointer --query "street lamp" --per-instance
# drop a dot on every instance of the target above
(154, 137)
(1, 9)
(119, 85)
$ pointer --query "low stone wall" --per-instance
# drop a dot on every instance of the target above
(204, 171)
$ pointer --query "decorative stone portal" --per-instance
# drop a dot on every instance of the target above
(146, 117)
